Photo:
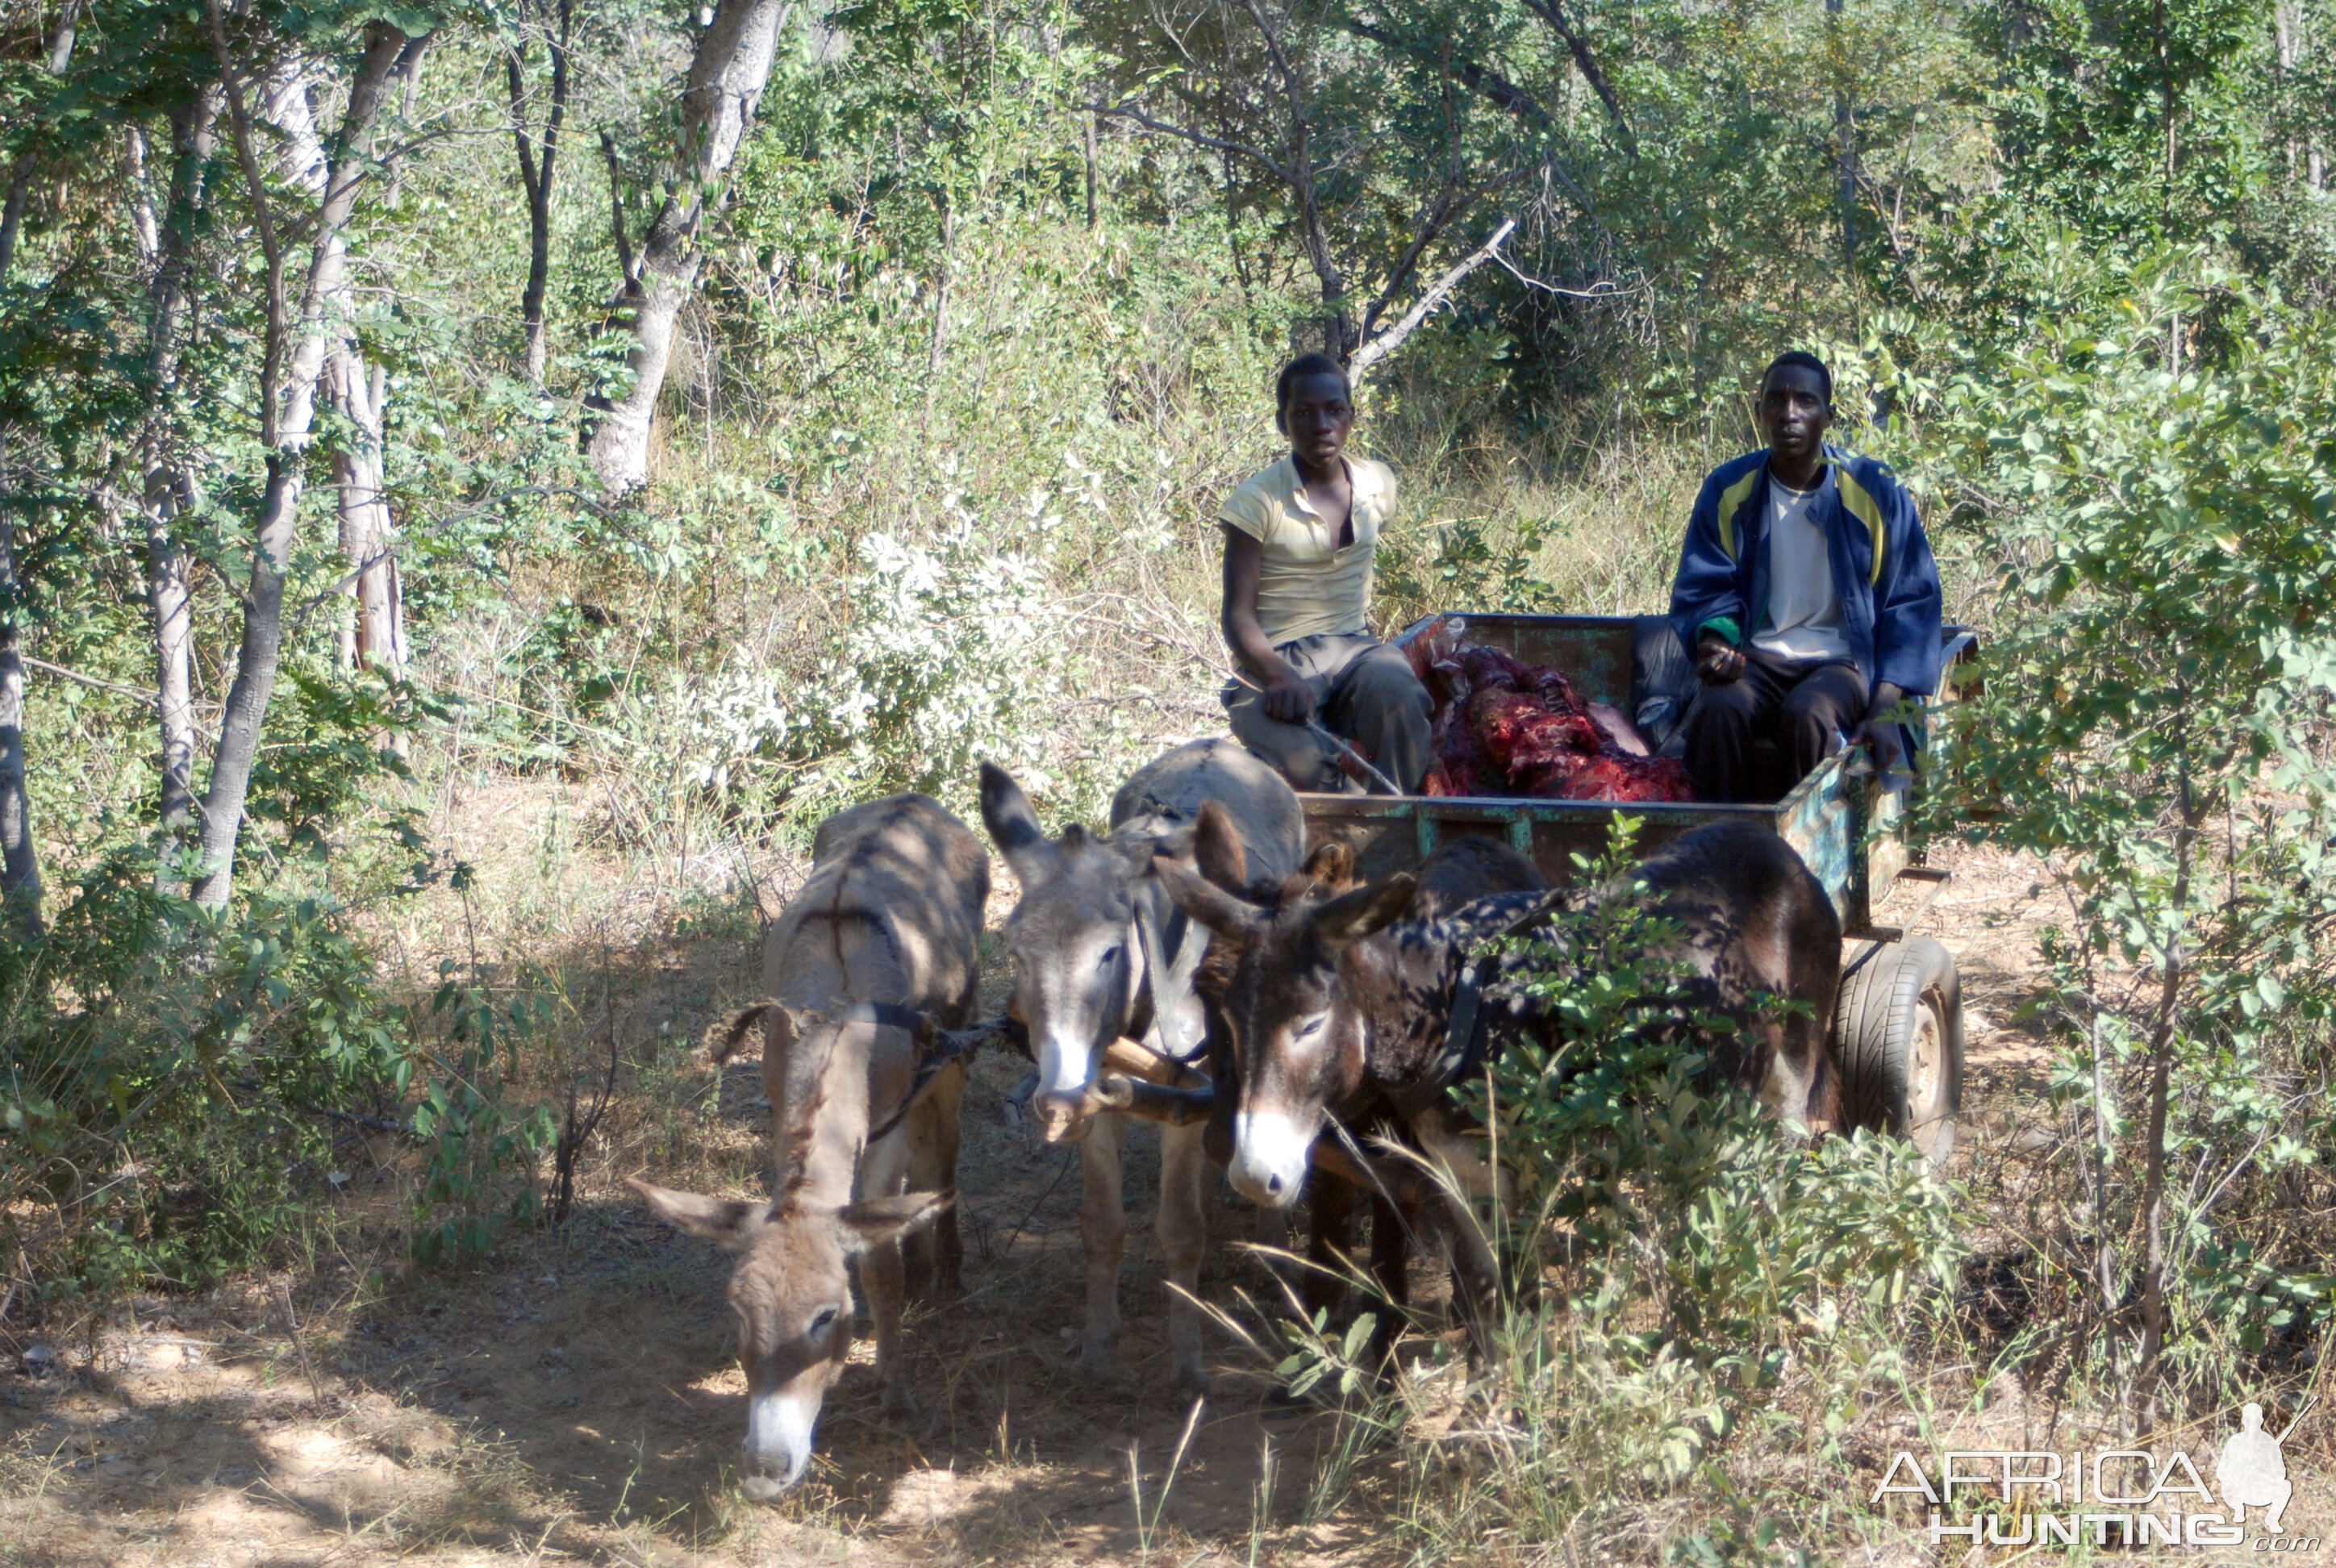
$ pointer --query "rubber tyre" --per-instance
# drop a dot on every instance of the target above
(1898, 1038)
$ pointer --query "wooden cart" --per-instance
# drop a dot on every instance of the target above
(1898, 1026)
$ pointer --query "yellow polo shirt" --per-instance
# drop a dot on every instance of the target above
(1306, 585)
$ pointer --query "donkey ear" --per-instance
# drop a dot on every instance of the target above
(872, 1221)
(1332, 864)
(1218, 850)
(1352, 916)
(1176, 843)
(731, 1222)
(1203, 900)
(1013, 825)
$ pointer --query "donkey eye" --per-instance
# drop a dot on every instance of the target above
(1111, 956)
(1310, 1027)
(823, 1320)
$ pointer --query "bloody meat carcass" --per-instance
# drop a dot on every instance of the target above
(1507, 728)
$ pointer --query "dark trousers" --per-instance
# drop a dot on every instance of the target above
(1803, 707)
(1364, 692)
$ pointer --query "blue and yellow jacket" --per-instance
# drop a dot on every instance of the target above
(1882, 565)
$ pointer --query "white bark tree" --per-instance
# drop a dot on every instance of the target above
(301, 333)
(20, 859)
(168, 489)
(355, 389)
(726, 78)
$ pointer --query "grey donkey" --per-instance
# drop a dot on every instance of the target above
(1105, 963)
(874, 958)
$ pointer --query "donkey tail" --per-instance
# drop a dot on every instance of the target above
(722, 1036)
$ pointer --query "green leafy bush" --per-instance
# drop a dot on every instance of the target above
(2153, 728)
(485, 1151)
(165, 1072)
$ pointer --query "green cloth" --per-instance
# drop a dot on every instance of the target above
(1725, 624)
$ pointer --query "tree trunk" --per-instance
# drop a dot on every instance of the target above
(535, 175)
(939, 344)
(726, 78)
(1338, 335)
(287, 421)
(167, 491)
(11, 207)
(377, 634)
(355, 391)
(61, 42)
(2106, 1278)
(1844, 124)
(20, 860)
(1093, 216)
(1577, 45)
(2171, 963)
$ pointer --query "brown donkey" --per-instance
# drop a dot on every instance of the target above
(1403, 1207)
(1336, 1006)
(874, 958)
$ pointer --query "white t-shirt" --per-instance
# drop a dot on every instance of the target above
(1804, 613)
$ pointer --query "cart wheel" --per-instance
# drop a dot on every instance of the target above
(1898, 1036)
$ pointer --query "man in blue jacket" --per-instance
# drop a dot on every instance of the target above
(1807, 595)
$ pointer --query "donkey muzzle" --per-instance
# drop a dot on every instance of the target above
(1271, 1154)
(1063, 1118)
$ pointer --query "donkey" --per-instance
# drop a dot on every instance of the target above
(876, 955)
(1457, 875)
(1333, 1006)
(1102, 958)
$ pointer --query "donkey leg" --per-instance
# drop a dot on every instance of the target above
(1391, 1268)
(1329, 1243)
(885, 1170)
(949, 1242)
(1476, 1272)
(1446, 1143)
(1103, 1236)
(884, 1279)
(1183, 1238)
(935, 1253)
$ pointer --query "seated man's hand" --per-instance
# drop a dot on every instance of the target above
(1289, 700)
(1888, 743)
(1718, 661)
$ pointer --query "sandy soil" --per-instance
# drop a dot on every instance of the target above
(579, 1397)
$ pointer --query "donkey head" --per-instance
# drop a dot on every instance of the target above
(1297, 1036)
(792, 1291)
(1073, 938)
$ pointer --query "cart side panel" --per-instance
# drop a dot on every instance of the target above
(1821, 820)
(1389, 835)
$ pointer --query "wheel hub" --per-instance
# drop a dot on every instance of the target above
(1927, 1074)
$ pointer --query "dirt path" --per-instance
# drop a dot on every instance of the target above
(579, 1396)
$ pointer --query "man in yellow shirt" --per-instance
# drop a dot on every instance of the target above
(1300, 539)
